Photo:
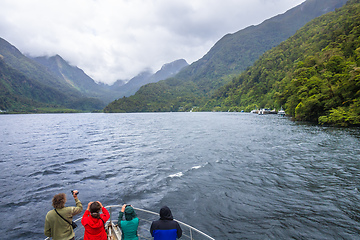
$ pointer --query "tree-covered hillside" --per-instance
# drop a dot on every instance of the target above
(77, 79)
(235, 52)
(231, 55)
(314, 75)
(16, 60)
(50, 84)
(20, 94)
(26, 85)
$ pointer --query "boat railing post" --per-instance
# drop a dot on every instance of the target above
(110, 225)
(191, 238)
(110, 214)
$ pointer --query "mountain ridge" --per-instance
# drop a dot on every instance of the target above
(231, 55)
(56, 76)
(146, 77)
(76, 78)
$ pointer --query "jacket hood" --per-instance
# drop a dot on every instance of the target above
(95, 222)
(165, 213)
(129, 213)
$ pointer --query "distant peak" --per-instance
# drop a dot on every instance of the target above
(176, 63)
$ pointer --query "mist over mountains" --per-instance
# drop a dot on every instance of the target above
(231, 55)
(43, 84)
(52, 83)
(145, 77)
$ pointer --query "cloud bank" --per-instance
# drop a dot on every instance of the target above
(117, 39)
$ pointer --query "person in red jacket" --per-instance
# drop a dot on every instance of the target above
(94, 222)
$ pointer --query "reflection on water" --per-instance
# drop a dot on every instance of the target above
(232, 175)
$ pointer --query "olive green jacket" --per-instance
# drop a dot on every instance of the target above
(56, 227)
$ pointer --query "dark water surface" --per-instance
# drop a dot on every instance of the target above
(231, 175)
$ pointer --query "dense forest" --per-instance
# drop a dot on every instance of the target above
(20, 94)
(194, 85)
(26, 86)
(314, 75)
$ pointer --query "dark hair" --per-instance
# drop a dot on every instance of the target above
(59, 200)
(95, 209)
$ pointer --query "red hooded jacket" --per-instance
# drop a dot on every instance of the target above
(94, 227)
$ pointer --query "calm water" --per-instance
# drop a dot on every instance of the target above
(231, 175)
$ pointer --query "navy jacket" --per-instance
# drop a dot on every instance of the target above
(165, 228)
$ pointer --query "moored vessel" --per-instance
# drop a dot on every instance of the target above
(281, 112)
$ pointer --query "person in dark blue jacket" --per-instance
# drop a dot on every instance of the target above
(165, 228)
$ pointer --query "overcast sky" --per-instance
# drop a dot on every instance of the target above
(117, 39)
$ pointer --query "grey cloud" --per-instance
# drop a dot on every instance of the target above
(117, 39)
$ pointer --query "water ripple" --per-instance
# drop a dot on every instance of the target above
(232, 175)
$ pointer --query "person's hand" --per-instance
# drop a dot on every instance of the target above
(123, 208)
(88, 207)
(74, 193)
(100, 204)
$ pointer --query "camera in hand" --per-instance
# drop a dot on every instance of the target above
(72, 191)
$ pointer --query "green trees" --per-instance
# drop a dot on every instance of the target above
(314, 75)
(231, 55)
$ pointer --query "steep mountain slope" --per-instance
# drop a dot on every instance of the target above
(15, 59)
(315, 74)
(21, 94)
(166, 71)
(76, 78)
(235, 52)
(52, 82)
(42, 78)
(134, 84)
(232, 54)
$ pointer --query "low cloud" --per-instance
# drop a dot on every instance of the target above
(117, 39)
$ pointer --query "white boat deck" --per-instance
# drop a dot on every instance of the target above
(145, 219)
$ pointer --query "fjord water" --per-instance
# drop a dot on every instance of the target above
(231, 175)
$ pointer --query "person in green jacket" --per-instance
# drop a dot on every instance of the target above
(56, 227)
(130, 225)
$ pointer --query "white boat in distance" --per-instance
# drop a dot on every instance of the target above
(145, 219)
(281, 112)
(266, 111)
(263, 111)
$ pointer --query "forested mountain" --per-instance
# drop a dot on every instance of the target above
(228, 57)
(35, 86)
(314, 75)
(19, 93)
(44, 84)
(76, 78)
(235, 52)
(16, 60)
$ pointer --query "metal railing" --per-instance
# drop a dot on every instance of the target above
(146, 217)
